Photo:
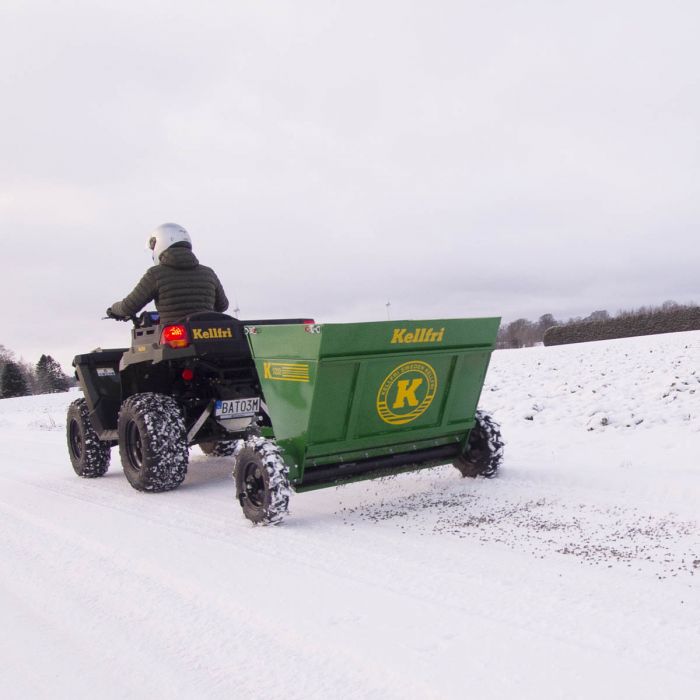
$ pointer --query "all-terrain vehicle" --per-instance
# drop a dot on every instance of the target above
(297, 405)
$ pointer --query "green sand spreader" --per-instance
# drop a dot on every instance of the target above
(363, 400)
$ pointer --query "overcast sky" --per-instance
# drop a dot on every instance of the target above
(457, 158)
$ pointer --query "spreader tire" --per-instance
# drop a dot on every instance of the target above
(88, 454)
(262, 482)
(153, 442)
(484, 452)
(223, 448)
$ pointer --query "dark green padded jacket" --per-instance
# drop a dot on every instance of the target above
(180, 286)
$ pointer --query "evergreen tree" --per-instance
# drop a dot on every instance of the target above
(50, 377)
(29, 375)
(5, 356)
(13, 381)
(43, 381)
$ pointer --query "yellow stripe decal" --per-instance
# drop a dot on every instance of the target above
(286, 371)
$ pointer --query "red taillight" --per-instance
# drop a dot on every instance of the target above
(187, 374)
(309, 322)
(174, 336)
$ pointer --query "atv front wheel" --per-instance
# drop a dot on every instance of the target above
(223, 448)
(262, 482)
(153, 442)
(484, 452)
(88, 454)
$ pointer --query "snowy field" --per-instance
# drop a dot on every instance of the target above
(576, 574)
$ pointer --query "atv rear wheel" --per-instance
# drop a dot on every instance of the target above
(223, 448)
(484, 452)
(153, 442)
(262, 482)
(88, 454)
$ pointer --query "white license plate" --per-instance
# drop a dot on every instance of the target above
(237, 408)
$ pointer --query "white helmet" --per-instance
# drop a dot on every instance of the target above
(164, 236)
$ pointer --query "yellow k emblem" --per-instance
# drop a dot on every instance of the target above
(406, 392)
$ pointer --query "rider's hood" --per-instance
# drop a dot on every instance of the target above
(179, 257)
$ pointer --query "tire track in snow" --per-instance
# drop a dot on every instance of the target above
(185, 642)
(370, 566)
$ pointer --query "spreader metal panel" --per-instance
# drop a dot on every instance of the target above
(378, 393)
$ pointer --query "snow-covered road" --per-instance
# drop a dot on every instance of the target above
(575, 574)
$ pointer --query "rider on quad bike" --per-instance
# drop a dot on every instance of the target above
(187, 378)
(178, 284)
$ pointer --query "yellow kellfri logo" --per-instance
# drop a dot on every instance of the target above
(407, 392)
(211, 334)
(418, 335)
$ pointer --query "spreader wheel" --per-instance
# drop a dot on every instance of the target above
(484, 452)
(262, 482)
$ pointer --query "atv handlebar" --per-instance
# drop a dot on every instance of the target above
(120, 318)
(146, 318)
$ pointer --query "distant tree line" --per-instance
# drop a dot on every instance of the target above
(523, 333)
(20, 378)
(670, 317)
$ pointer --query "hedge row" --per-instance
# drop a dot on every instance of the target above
(626, 326)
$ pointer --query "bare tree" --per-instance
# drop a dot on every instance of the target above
(598, 316)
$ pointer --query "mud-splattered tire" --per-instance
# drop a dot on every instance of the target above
(223, 448)
(484, 452)
(262, 482)
(153, 442)
(88, 454)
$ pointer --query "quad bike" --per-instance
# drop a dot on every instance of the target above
(299, 406)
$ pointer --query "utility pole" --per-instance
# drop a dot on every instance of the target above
(388, 312)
